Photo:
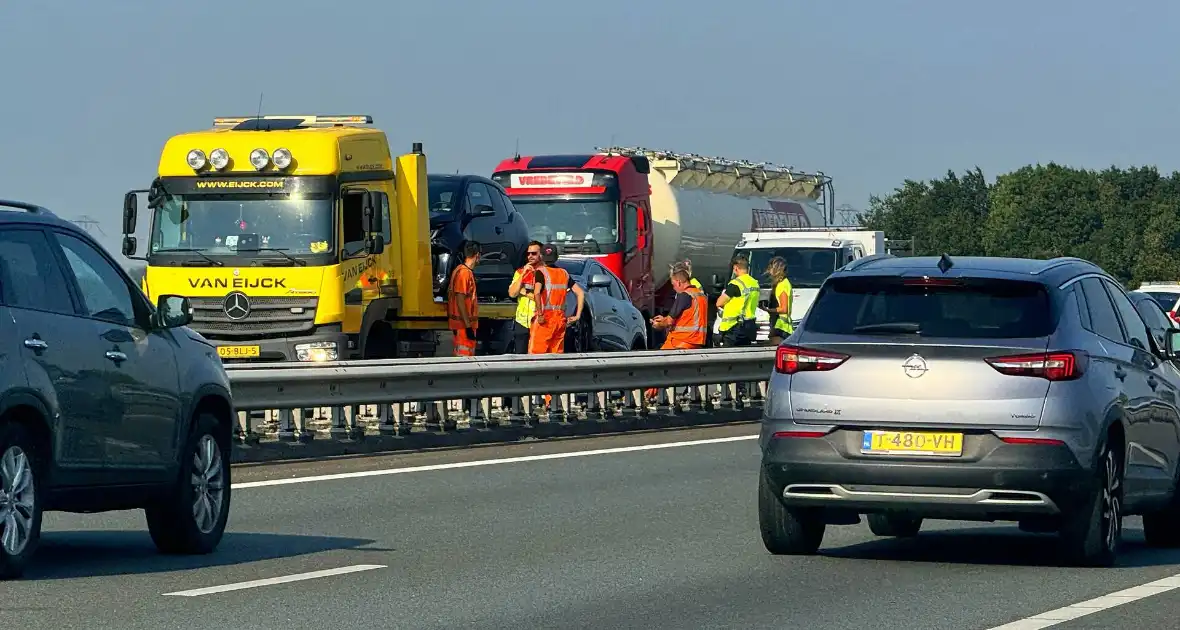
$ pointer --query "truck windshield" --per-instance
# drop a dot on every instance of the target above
(570, 220)
(807, 267)
(235, 224)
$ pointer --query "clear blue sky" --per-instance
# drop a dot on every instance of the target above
(869, 91)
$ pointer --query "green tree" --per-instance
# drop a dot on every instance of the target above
(943, 215)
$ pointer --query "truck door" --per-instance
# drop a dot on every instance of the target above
(637, 273)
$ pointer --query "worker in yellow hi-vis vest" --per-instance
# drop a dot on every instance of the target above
(521, 289)
(739, 307)
(779, 308)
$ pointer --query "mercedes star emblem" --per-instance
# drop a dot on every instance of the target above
(236, 305)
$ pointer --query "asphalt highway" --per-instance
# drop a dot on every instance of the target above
(648, 538)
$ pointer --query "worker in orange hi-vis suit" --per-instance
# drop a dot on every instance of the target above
(551, 285)
(463, 303)
(688, 320)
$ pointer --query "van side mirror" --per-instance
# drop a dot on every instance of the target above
(129, 245)
(1172, 341)
(130, 212)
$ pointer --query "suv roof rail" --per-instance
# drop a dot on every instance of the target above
(866, 260)
(1061, 261)
(11, 206)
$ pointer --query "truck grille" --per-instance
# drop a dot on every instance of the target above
(268, 317)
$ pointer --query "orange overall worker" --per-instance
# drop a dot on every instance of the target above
(462, 302)
(551, 285)
(687, 322)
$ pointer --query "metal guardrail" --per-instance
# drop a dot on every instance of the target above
(298, 403)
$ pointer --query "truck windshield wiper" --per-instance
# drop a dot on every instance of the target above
(284, 254)
(894, 327)
(211, 261)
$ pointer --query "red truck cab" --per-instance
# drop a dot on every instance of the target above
(589, 204)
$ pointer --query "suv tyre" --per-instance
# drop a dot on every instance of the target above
(191, 520)
(20, 501)
(1091, 533)
(787, 531)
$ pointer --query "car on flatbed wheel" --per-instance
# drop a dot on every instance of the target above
(107, 402)
(982, 389)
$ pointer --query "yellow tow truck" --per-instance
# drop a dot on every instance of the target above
(298, 238)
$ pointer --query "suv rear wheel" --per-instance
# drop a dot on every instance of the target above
(786, 531)
(1090, 534)
(20, 507)
(191, 520)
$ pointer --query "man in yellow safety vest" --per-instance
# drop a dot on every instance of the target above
(739, 307)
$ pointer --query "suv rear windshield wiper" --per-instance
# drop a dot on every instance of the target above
(893, 327)
(211, 261)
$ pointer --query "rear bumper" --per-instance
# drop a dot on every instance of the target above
(992, 480)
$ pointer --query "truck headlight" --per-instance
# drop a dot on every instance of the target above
(219, 158)
(281, 158)
(317, 351)
(259, 158)
(196, 159)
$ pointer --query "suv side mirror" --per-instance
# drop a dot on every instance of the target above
(130, 212)
(1172, 343)
(173, 311)
(483, 211)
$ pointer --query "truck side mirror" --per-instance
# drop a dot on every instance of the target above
(129, 245)
(130, 212)
(375, 244)
(717, 282)
(370, 216)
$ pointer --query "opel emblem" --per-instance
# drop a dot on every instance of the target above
(236, 305)
(914, 366)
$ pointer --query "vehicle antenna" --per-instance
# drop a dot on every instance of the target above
(258, 118)
(516, 156)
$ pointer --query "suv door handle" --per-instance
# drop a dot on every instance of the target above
(499, 230)
(1152, 381)
(116, 356)
(1120, 373)
(36, 343)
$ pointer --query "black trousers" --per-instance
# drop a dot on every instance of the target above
(743, 334)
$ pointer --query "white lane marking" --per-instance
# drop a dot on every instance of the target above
(1091, 606)
(298, 577)
(489, 462)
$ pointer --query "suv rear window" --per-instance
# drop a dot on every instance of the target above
(971, 308)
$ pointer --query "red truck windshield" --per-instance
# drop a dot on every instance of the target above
(570, 220)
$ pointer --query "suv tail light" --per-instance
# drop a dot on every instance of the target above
(1052, 366)
(1174, 317)
(792, 359)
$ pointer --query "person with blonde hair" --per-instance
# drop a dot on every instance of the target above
(780, 314)
(686, 267)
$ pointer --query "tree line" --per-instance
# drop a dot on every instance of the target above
(1125, 220)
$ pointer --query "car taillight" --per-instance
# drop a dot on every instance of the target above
(1053, 366)
(1174, 317)
(792, 359)
(799, 434)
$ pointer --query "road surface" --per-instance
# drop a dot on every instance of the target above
(653, 538)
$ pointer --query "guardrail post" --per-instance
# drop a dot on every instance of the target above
(339, 429)
(286, 425)
(558, 408)
(385, 425)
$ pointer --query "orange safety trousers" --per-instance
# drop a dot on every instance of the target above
(547, 334)
(464, 346)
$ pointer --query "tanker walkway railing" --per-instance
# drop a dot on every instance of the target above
(296, 410)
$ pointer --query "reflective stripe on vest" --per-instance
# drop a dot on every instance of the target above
(554, 290)
(524, 305)
(743, 308)
(783, 322)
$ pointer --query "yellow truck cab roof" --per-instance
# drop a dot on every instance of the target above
(318, 145)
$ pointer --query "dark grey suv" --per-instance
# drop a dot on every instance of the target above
(989, 389)
(106, 401)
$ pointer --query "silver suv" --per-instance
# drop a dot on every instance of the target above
(988, 389)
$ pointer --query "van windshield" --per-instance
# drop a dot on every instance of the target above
(969, 309)
(230, 225)
(807, 267)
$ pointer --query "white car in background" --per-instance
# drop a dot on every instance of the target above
(1166, 294)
